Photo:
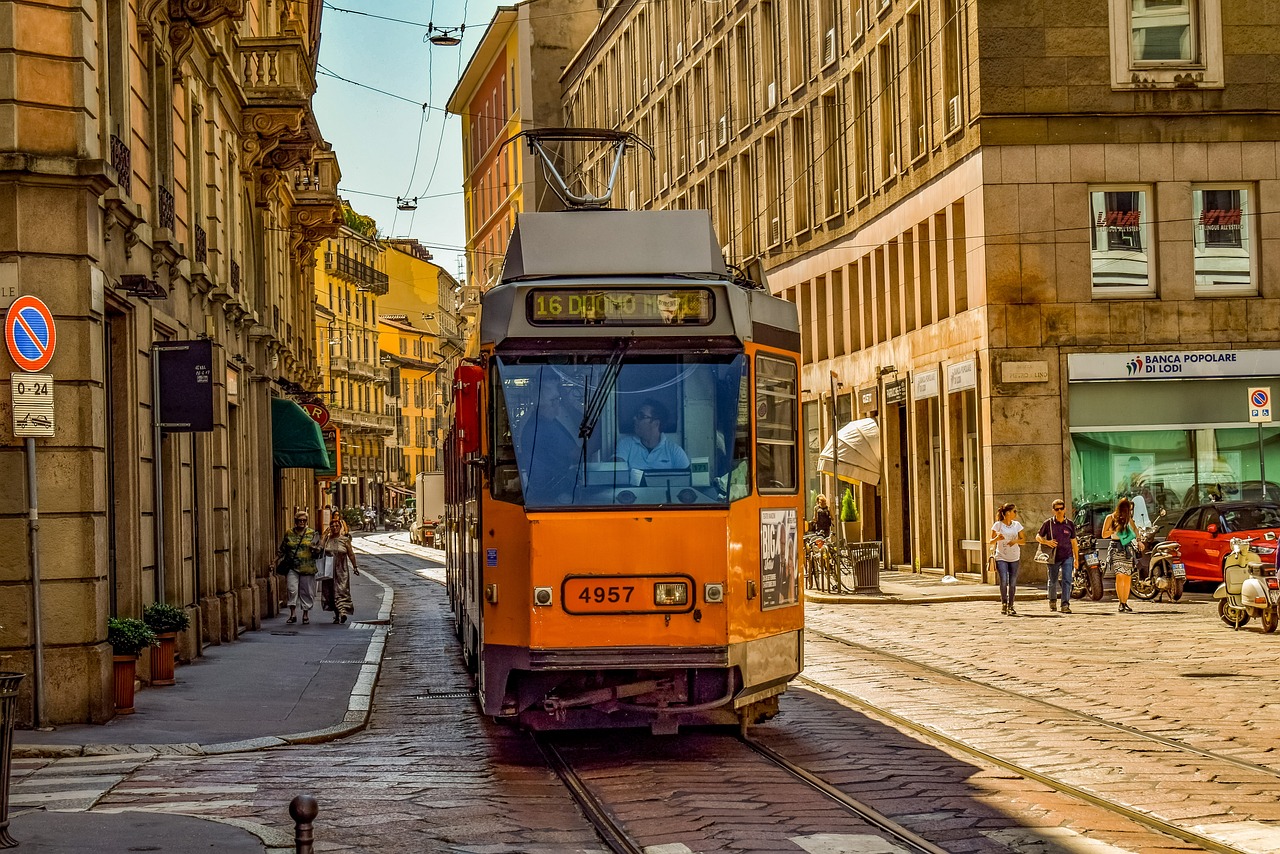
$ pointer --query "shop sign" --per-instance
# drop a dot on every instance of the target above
(924, 384)
(8, 284)
(317, 410)
(184, 370)
(895, 392)
(867, 400)
(962, 375)
(1172, 365)
(1024, 372)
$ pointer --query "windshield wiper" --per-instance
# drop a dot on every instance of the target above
(594, 407)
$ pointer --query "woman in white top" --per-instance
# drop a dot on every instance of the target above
(1006, 541)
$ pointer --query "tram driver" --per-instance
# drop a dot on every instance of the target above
(647, 448)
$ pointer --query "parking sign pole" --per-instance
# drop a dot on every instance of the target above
(33, 526)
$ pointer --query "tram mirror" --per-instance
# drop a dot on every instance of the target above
(466, 387)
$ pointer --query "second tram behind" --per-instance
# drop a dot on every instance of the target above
(623, 481)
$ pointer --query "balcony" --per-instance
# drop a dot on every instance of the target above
(361, 371)
(366, 278)
(275, 73)
(382, 376)
(339, 367)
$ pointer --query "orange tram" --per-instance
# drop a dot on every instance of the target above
(623, 501)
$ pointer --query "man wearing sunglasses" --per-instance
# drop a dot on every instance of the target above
(647, 448)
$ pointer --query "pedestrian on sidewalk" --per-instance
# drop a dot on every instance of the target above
(821, 517)
(1006, 540)
(335, 591)
(298, 549)
(1059, 534)
(1118, 528)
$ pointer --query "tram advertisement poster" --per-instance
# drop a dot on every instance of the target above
(779, 559)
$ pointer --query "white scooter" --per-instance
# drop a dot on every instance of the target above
(1249, 587)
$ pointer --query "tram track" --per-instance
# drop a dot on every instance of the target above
(916, 722)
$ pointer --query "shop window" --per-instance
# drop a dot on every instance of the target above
(1222, 225)
(1166, 44)
(1120, 257)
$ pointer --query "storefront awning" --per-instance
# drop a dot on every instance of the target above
(399, 490)
(859, 452)
(296, 442)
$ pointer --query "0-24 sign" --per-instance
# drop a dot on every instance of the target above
(32, 405)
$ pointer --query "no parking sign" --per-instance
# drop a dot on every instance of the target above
(1260, 404)
(29, 332)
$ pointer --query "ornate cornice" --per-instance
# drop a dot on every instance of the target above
(205, 13)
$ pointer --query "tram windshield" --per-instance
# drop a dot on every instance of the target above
(608, 430)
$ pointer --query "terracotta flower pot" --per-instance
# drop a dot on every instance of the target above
(162, 659)
(126, 667)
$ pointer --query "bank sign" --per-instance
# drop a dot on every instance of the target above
(1173, 365)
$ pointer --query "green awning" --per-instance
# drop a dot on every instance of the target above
(296, 442)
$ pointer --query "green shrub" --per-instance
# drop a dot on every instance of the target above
(129, 636)
(848, 507)
(162, 618)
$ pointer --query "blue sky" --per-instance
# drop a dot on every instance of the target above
(387, 146)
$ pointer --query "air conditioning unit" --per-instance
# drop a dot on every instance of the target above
(775, 231)
(829, 47)
(771, 96)
(723, 134)
(953, 113)
(702, 149)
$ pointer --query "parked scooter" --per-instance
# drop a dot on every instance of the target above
(1159, 570)
(1087, 578)
(1249, 587)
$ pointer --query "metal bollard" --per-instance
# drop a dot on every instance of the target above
(303, 809)
(8, 710)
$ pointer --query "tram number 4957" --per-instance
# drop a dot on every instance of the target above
(600, 595)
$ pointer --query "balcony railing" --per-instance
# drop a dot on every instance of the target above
(122, 164)
(202, 246)
(367, 278)
(166, 208)
(339, 366)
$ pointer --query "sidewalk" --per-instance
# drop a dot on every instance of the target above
(913, 588)
(286, 684)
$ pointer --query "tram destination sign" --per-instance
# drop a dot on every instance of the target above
(620, 307)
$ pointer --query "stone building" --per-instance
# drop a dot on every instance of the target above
(509, 86)
(351, 276)
(162, 179)
(1006, 226)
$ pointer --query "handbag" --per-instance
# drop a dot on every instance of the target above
(324, 566)
(1042, 554)
(285, 563)
(1127, 536)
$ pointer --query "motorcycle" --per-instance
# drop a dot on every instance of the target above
(1249, 587)
(1159, 570)
(1087, 579)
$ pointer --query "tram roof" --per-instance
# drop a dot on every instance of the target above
(613, 243)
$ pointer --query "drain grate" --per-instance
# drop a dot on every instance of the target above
(370, 622)
(285, 634)
(1210, 675)
(337, 661)
(446, 695)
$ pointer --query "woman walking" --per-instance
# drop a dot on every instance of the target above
(1006, 541)
(1123, 534)
(337, 546)
(297, 552)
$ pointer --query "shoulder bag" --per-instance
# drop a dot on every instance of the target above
(1042, 553)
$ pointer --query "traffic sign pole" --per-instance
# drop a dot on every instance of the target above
(1260, 412)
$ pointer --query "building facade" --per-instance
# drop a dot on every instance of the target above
(162, 179)
(984, 218)
(350, 279)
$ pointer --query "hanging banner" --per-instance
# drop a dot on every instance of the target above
(186, 385)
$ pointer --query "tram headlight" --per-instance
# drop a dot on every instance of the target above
(542, 596)
(671, 593)
(713, 593)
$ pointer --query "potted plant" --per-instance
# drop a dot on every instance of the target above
(166, 621)
(850, 521)
(128, 637)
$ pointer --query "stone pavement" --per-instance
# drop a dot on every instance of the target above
(286, 684)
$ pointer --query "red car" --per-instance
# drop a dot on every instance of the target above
(1205, 533)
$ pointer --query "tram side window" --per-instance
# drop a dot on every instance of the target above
(777, 433)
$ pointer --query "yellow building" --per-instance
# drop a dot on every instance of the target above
(350, 279)
(421, 341)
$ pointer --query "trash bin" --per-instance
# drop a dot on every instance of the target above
(8, 710)
(865, 558)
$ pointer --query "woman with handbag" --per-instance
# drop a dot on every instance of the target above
(1123, 534)
(1006, 542)
(297, 555)
(336, 585)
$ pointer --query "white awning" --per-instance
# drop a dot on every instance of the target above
(859, 452)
